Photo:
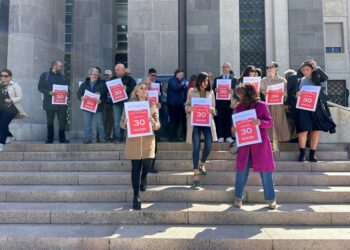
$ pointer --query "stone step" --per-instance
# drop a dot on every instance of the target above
(173, 213)
(171, 237)
(161, 155)
(162, 165)
(171, 178)
(166, 193)
(22, 146)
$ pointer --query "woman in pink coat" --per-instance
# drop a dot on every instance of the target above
(258, 156)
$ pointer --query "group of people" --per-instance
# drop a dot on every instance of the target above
(277, 123)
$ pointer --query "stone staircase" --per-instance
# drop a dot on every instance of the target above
(79, 197)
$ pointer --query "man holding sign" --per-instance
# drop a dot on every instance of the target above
(141, 120)
(200, 108)
(251, 121)
(93, 94)
(54, 89)
(311, 115)
(128, 85)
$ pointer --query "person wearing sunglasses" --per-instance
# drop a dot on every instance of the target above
(280, 131)
(10, 97)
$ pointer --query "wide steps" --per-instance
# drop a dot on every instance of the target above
(171, 178)
(186, 213)
(166, 193)
(171, 237)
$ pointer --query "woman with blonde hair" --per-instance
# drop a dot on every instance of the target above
(140, 150)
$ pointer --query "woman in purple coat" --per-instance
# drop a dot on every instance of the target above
(258, 156)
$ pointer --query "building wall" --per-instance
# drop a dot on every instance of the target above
(306, 35)
(92, 47)
(153, 36)
(337, 64)
(4, 24)
(203, 36)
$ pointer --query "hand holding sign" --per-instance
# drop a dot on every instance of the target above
(117, 90)
(90, 101)
(275, 94)
(223, 87)
(59, 94)
(246, 128)
(201, 114)
(308, 97)
(138, 119)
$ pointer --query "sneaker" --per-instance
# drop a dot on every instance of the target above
(87, 141)
(238, 202)
(221, 140)
(10, 139)
(229, 140)
(2, 147)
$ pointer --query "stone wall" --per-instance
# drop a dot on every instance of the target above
(203, 36)
(152, 36)
(34, 41)
(4, 24)
(306, 34)
(92, 46)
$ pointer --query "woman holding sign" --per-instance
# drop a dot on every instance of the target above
(141, 121)
(274, 88)
(311, 114)
(254, 147)
(200, 108)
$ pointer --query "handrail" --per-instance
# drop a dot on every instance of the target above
(332, 104)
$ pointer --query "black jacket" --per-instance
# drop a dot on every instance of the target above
(130, 84)
(99, 88)
(46, 81)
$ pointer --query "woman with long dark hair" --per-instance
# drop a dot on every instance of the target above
(309, 121)
(258, 156)
(202, 90)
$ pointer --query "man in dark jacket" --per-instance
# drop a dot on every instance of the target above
(223, 120)
(46, 82)
(129, 85)
(95, 85)
(176, 98)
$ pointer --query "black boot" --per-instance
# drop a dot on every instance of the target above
(136, 204)
(153, 170)
(143, 185)
(312, 157)
(302, 155)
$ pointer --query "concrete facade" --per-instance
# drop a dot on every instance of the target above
(199, 35)
(4, 25)
(34, 40)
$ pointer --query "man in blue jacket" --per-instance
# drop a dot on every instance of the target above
(175, 100)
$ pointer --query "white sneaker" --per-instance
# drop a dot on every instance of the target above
(229, 139)
(2, 147)
(10, 139)
(221, 140)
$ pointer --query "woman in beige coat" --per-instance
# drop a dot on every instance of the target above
(202, 90)
(140, 150)
(280, 130)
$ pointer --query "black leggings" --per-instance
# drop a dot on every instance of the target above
(136, 176)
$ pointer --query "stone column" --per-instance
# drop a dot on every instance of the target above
(229, 35)
(4, 24)
(92, 47)
(36, 37)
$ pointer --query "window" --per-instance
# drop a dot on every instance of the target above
(334, 38)
(121, 32)
(337, 92)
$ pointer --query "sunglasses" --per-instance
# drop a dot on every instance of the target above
(5, 76)
(269, 67)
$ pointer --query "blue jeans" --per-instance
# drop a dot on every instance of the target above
(117, 113)
(88, 116)
(266, 178)
(196, 141)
